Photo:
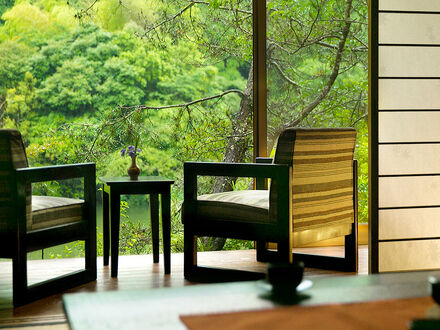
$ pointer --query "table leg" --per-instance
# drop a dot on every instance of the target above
(166, 229)
(154, 216)
(115, 202)
(105, 225)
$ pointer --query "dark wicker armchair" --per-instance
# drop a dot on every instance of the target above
(29, 223)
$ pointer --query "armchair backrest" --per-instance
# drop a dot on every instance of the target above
(12, 156)
(321, 161)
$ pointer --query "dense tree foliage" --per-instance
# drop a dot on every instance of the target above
(82, 79)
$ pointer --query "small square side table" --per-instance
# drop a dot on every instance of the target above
(113, 188)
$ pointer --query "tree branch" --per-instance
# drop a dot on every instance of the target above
(283, 75)
(309, 108)
(184, 9)
(359, 119)
(83, 12)
(242, 11)
(184, 105)
(169, 19)
(311, 27)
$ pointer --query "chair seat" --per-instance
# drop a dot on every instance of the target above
(241, 205)
(253, 206)
(49, 211)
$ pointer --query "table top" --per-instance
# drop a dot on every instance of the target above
(391, 314)
(161, 308)
(141, 180)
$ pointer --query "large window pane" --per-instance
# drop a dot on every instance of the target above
(84, 79)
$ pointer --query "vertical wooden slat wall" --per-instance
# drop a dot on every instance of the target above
(404, 135)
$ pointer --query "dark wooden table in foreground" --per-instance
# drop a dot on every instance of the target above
(162, 308)
(113, 188)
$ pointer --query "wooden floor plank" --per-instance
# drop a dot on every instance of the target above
(135, 272)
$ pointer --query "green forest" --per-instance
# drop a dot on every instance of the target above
(82, 79)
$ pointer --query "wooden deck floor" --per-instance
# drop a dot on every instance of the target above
(135, 272)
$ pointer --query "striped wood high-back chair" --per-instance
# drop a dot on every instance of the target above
(12, 157)
(322, 181)
(323, 188)
(312, 197)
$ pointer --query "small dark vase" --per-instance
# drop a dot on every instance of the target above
(134, 170)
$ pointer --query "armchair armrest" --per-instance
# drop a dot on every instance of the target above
(280, 173)
(234, 169)
(56, 172)
(59, 172)
(28, 175)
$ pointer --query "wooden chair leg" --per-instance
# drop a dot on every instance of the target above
(190, 253)
(348, 263)
(201, 274)
(351, 250)
(90, 246)
(262, 254)
(23, 294)
(19, 278)
(90, 256)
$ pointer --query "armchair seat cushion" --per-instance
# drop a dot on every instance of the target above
(241, 205)
(49, 211)
(253, 206)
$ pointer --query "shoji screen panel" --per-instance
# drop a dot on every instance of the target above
(405, 124)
